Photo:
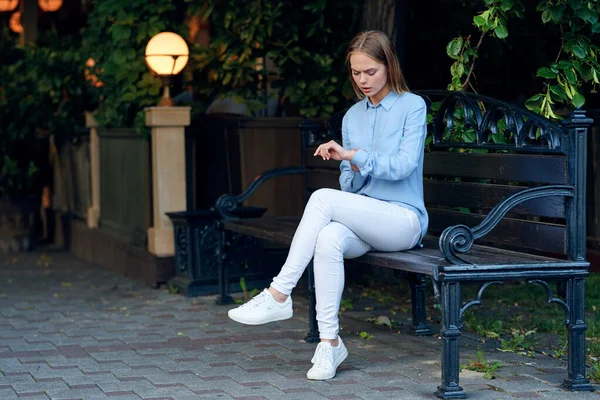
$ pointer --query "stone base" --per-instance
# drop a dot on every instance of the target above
(116, 254)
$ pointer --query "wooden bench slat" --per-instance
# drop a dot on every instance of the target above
(514, 233)
(418, 260)
(506, 167)
(276, 229)
(485, 197)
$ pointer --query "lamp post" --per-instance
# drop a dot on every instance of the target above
(166, 55)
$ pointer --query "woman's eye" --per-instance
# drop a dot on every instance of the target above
(355, 73)
(371, 73)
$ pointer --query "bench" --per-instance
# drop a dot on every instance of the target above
(505, 192)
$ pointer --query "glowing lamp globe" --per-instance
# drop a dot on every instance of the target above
(14, 22)
(50, 5)
(8, 5)
(166, 55)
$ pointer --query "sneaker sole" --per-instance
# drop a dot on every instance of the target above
(339, 360)
(260, 321)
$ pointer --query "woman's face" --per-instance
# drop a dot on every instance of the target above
(370, 76)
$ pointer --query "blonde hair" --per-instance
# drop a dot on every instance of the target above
(378, 46)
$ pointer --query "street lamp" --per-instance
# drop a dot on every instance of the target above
(50, 5)
(166, 55)
(14, 23)
(8, 5)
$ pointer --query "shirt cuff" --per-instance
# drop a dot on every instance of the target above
(360, 158)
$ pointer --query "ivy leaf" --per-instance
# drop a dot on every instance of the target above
(578, 100)
(506, 5)
(501, 32)
(557, 12)
(579, 51)
(454, 47)
(562, 64)
(559, 91)
(546, 72)
(534, 102)
(546, 16)
(479, 21)
(571, 78)
(587, 15)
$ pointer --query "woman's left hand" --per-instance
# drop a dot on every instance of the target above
(332, 150)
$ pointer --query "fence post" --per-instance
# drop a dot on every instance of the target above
(168, 173)
(93, 213)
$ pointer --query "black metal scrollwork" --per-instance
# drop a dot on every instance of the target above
(551, 299)
(456, 239)
(477, 301)
(459, 238)
(228, 203)
(182, 247)
(483, 114)
(208, 247)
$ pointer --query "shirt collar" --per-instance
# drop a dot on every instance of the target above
(387, 102)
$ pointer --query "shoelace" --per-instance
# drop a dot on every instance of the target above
(255, 301)
(323, 358)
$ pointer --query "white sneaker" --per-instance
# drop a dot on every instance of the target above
(261, 309)
(326, 360)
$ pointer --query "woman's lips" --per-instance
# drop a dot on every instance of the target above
(365, 89)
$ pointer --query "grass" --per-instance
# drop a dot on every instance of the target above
(480, 364)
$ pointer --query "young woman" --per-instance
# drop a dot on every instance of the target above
(379, 207)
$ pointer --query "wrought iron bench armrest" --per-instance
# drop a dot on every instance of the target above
(459, 238)
(228, 203)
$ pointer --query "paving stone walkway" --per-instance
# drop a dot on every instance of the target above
(71, 330)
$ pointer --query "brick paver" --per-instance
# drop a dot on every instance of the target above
(71, 330)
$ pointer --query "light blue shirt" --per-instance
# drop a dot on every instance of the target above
(391, 139)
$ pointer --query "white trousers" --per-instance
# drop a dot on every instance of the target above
(337, 225)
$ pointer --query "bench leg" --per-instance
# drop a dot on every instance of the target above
(224, 296)
(418, 300)
(313, 330)
(451, 295)
(576, 327)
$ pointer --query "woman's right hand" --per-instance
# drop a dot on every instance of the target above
(354, 168)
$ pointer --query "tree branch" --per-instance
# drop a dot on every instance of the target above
(466, 83)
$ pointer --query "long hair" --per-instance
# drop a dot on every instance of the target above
(378, 46)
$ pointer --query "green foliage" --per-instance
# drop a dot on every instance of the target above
(567, 80)
(365, 335)
(284, 50)
(244, 287)
(594, 373)
(520, 342)
(42, 91)
(345, 304)
(116, 36)
(481, 364)
(172, 289)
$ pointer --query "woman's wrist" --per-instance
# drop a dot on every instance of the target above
(350, 154)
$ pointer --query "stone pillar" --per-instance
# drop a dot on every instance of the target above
(93, 214)
(168, 173)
